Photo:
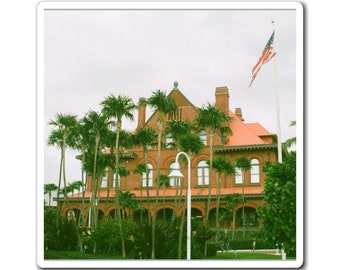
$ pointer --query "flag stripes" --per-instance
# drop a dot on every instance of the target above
(267, 54)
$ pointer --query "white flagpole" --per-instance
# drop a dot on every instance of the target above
(277, 102)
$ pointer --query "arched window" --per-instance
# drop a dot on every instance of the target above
(150, 175)
(202, 173)
(203, 136)
(255, 171)
(174, 181)
(238, 176)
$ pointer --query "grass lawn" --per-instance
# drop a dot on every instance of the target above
(246, 256)
(71, 255)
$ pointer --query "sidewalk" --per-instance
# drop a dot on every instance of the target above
(266, 251)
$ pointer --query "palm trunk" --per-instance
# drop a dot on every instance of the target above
(159, 139)
(243, 221)
(181, 228)
(218, 208)
(147, 184)
(210, 175)
(117, 191)
(209, 188)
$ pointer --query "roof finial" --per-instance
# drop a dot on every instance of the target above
(175, 85)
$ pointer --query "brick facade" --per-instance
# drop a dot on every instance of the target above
(250, 140)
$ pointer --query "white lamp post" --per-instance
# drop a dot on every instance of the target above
(177, 174)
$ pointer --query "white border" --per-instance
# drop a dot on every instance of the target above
(41, 7)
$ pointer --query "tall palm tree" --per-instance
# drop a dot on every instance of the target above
(62, 137)
(164, 105)
(97, 125)
(164, 183)
(48, 188)
(217, 122)
(244, 165)
(222, 166)
(118, 108)
(145, 137)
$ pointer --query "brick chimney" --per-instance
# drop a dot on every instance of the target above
(222, 98)
(238, 113)
(141, 112)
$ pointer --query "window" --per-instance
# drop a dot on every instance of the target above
(169, 142)
(114, 180)
(150, 175)
(104, 180)
(238, 176)
(174, 181)
(255, 171)
(202, 173)
(203, 136)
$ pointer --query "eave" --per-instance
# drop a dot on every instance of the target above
(224, 148)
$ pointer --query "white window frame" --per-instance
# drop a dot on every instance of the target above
(203, 136)
(255, 171)
(202, 173)
(238, 176)
(150, 168)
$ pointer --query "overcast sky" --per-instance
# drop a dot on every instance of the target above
(90, 54)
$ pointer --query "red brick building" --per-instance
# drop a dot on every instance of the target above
(250, 140)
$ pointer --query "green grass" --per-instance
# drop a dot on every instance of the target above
(72, 255)
(246, 256)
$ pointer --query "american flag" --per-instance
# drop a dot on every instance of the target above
(267, 54)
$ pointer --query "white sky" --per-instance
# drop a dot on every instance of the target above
(90, 54)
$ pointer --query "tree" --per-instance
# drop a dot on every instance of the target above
(290, 142)
(164, 105)
(97, 126)
(278, 214)
(145, 137)
(231, 202)
(117, 108)
(244, 165)
(62, 137)
(216, 121)
(48, 188)
(128, 200)
(164, 183)
(222, 166)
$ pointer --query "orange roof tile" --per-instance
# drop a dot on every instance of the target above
(245, 134)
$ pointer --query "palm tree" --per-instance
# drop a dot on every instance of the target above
(244, 165)
(290, 142)
(164, 183)
(97, 126)
(164, 105)
(231, 202)
(216, 121)
(221, 165)
(117, 108)
(61, 136)
(145, 137)
(48, 188)
(128, 200)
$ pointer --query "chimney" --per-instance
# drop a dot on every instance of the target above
(141, 112)
(238, 113)
(222, 98)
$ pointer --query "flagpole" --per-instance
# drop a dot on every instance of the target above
(277, 103)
